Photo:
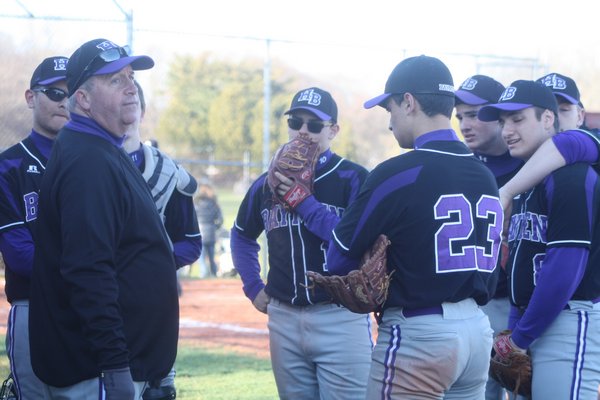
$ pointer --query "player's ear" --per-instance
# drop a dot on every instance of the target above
(333, 131)
(29, 94)
(82, 97)
(548, 119)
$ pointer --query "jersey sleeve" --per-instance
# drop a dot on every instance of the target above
(249, 222)
(578, 145)
(181, 224)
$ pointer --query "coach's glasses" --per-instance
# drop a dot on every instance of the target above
(313, 126)
(54, 94)
(107, 56)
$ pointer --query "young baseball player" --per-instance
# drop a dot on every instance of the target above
(21, 170)
(172, 189)
(318, 350)
(439, 207)
(553, 269)
(485, 140)
(104, 307)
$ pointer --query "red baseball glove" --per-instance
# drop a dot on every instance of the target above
(295, 160)
(511, 366)
(363, 290)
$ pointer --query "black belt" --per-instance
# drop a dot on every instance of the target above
(417, 312)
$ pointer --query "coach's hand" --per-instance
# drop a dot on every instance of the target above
(261, 300)
(506, 199)
(118, 384)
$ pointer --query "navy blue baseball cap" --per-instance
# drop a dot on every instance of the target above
(52, 69)
(99, 57)
(478, 90)
(416, 75)
(317, 101)
(562, 86)
(518, 96)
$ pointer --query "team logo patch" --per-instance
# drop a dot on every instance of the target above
(469, 84)
(555, 82)
(310, 97)
(106, 45)
(60, 64)
(508, 94)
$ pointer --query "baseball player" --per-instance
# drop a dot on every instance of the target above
(485, 140)
(439, 207)
(553, 267)
(172, 189)
(21, 170)
(318, 350)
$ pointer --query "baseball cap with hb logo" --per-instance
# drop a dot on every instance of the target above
(99, 57)
(317, 101)
(518, 96)
(416, 75)
(52, 69)
(478, 90)
(562, 86)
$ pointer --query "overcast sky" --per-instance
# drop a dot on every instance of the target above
(355, 40)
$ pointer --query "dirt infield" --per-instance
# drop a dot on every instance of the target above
(213, 313)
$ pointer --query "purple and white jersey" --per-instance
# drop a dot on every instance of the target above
(439, 207)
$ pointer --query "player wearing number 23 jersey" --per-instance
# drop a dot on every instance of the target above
(439, 207)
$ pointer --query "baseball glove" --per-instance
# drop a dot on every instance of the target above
(295, 160)
(363, 290)
(509, 367)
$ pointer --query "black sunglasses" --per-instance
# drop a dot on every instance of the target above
(54, 94)
(107, 56)
(313, 126)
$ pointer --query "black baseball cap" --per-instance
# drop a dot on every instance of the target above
(562, 86)
(478, 90)
(317, 101)
(99, 57)
(52, 69)
(416, 75)
(519, 95)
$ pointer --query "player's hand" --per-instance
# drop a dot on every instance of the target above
(506, 201)
(504, 345)
(261, 300)
(118, 384)
(285, 185)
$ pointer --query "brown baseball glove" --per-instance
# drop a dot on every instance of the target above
(363, 290)
(511, 368)
(295, 160)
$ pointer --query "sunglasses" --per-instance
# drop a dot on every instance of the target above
(106, 56)
(54, 94)
(313, 126)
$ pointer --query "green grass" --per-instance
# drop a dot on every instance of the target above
(213, 374)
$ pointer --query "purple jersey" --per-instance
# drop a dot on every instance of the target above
(439, 207)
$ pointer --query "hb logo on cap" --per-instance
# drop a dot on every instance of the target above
(106, 45)
(310, 97)
(555, 82)
(469, 84)
(508, 94)
(60, 64)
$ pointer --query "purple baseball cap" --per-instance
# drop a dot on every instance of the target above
(562, 86)
(479, 89)
(316, 101)
(416, 75)
(52, 69)
(519, 95)
(99, 57)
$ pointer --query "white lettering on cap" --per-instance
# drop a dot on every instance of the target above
(310, 97)
(443, 87)
(469, 84)
(106, 45)
(555, 82)
(60, 64)
(508, 93)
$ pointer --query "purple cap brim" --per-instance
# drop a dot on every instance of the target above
(376, 101)
(137, 63)
(469, 98)
(51, 80)
(320, 114)
(567, 97)
(492, 112)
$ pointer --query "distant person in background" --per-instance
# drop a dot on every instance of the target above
(210, 219)
(21, 169)
(172, 189)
